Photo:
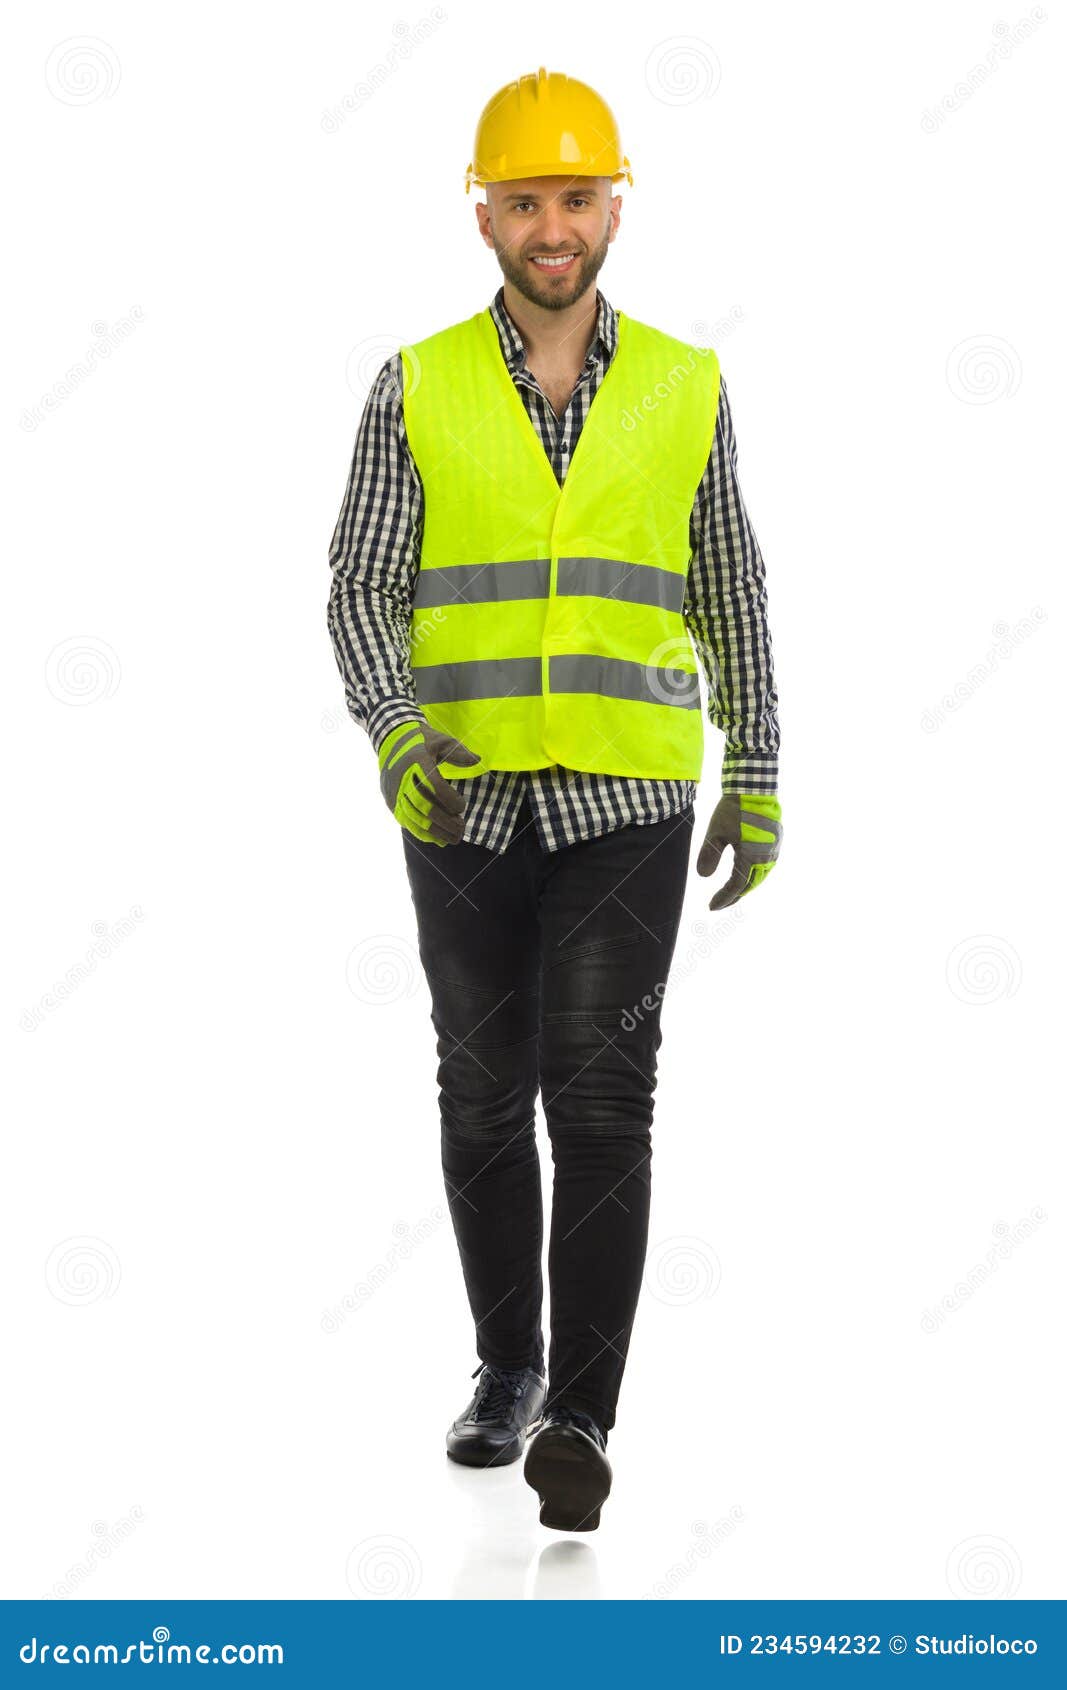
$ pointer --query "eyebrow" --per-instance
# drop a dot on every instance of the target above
(530, 195)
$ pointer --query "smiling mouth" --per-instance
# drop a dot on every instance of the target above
(558, 262)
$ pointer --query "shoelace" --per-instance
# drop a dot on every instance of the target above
(496, 1393)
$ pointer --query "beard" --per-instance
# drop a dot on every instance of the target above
(540, 288)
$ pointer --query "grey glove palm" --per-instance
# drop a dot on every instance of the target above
(414, 788)
(752, 824)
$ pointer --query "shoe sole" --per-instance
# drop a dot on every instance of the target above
(571, 1477)
(502, 1457)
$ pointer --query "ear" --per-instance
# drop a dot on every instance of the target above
(484, 217)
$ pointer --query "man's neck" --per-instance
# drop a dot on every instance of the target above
(554, 337)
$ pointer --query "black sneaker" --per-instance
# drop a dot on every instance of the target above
(492, 1429)
(567, 1466)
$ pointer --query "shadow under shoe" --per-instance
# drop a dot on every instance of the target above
(567, 1466)
(493, 1428)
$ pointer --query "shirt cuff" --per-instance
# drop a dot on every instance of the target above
(389, 714)
(755, 773)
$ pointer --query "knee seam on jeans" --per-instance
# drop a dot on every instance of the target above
(561, 957)
(465, 1044)
(478, 991)
(494, 1130)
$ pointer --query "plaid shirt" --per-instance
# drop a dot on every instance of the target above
(374, 557)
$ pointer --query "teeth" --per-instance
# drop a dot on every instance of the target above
(552, 263)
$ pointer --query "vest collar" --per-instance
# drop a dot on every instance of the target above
(511, 400)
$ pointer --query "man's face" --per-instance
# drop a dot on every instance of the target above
(550, 216)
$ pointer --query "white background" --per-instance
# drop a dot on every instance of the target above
(227, 1124)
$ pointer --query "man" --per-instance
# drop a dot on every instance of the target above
(542, 514)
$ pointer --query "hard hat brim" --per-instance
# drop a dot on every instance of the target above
(482, 179)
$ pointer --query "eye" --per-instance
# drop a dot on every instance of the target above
(575, 199)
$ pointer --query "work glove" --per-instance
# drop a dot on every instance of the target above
(414, 788)
(752, 824)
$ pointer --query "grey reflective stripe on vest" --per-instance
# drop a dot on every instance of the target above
(596, 577)
(513, 677)
(607, 578)
(482, 583)
(614, 677)
(502, 677)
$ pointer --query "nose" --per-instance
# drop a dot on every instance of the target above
(552, 233)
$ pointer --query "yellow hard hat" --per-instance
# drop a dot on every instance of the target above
(546, 125)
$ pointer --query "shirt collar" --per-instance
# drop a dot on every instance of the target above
(602, 345)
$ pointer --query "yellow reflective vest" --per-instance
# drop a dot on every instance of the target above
(547, 623)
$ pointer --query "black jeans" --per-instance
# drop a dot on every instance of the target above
(546, 970)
